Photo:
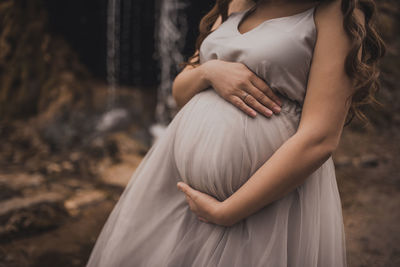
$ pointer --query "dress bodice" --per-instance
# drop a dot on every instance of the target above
(278, 50)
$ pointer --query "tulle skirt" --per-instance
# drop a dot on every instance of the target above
(214, 147)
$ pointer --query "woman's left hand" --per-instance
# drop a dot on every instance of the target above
(207, 208)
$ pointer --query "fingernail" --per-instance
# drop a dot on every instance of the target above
(253, 113)
(268, 112)
(279, 102)
(277, 109)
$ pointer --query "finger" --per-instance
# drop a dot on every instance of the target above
(262, 98)
(252, 102)
(238, 102)
(263, 86)
(182, 187)
(189, 192)
(191, 204)
(202, 219)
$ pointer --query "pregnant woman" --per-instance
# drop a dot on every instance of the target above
(243, 175)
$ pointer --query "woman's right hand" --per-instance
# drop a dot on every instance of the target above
(237, 84)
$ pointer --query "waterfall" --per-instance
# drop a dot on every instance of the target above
(113, 116)
(113, 48)
(126, 14)
(170, 36)
(171, 31)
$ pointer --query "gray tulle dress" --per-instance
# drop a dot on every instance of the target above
(215, 147)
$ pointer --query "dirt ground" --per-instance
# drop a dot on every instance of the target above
(369, 190)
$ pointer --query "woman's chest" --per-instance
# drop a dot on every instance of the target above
(285, 43)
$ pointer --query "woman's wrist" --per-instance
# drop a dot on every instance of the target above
(225, 215)
(205, 72)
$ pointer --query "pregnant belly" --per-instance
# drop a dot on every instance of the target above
(218, 147)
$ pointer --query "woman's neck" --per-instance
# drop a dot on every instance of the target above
(283, 3)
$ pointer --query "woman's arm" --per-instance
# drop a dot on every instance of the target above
(231, 80)
(191, 80)
(322, 119)
(187, 83)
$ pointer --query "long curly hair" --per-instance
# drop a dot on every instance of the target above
(364, 72)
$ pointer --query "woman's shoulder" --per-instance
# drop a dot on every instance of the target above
(330, 14)
(333, 28)
(336, 33)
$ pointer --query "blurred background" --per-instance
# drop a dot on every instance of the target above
(85, 89)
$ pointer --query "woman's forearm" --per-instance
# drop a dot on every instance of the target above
(189, 82)
(286, 169)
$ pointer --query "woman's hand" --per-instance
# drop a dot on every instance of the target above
(240, 86)
(207, 208)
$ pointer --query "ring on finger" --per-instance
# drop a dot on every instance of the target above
(244, 98)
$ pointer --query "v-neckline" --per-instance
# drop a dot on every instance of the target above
(243, 13)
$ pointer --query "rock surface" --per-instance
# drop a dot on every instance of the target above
(31, 214)
(83, 198)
